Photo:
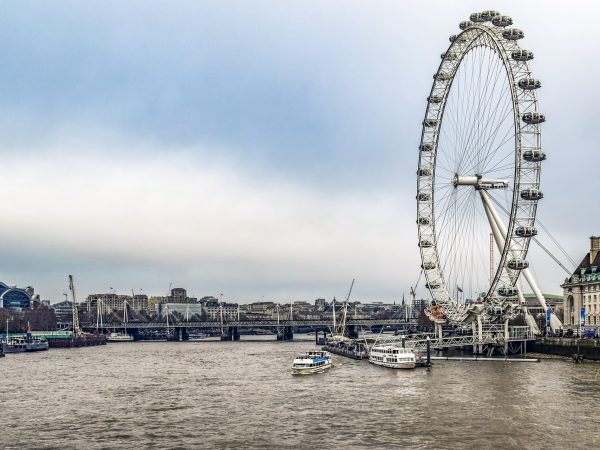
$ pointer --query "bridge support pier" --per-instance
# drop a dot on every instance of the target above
(285, 334)
(176, 335)
(185, 334)
(230, 334)
(320, 337)
(352, 332)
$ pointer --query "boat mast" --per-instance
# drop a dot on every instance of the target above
(76, 330)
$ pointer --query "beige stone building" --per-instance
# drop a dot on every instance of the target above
(582, 290)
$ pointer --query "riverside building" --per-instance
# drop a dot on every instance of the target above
(581, 291)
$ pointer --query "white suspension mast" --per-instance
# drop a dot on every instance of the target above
(76, 330)
(333, 313)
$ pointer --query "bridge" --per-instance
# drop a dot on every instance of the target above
(230, 328)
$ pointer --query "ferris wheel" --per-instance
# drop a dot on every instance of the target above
(478, 179)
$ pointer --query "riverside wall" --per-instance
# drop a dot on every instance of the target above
(588, 348)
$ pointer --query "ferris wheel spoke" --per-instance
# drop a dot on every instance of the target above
(508, 136)
(474, 112)
(489, 154)
(476, 140)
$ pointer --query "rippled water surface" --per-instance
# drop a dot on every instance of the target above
(241, 395)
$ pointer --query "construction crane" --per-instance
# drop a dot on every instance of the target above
(76, 330)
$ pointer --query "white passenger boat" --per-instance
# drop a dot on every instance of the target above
(311, 362)
(119, 337)
(392, 356)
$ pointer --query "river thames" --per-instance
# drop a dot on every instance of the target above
(242, 395)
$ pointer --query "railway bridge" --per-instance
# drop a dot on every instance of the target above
(230, 329)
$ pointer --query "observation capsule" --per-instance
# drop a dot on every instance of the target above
(522, 55)
(534, 155)
(513, 34)
(425, 244)
(430, 123)
(455, 38)
(424, 172)
(465, 24)
(428, 266)
(432, 285)
(529, 84)
(532, 194)
(434, 99)
(526, 231)
(477, 17)
(423, 196)
(517, 264)
(423, 220)
(425, 147)
(449, 56)
(489, 15)
(533, 118)
(502, 21)
(507, 291)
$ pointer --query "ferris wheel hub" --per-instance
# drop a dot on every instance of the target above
(478, 182)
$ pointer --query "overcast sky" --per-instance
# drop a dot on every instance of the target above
(262, 149)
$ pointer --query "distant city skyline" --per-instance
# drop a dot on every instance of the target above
(255, 148)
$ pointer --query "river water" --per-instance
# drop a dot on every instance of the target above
(241, 395)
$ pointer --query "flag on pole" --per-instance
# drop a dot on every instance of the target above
(458, 288)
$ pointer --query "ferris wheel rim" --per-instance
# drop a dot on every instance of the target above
(504, 43)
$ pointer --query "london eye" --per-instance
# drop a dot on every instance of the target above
(478, 178)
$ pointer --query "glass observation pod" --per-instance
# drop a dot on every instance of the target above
(424, 172)
(529, 84)
(432, 285)
(465, 24)
(454, 38)
(423, 220)
(449, 56)
(533, 118)
(477, 17)
(513, 34)
(425, 244)
(430, 123)
(507, 291)
(534, 155)
(526, 231)
(428, 266)
(517, 264)
(423, 196)
(502, 21)
(425, 147)
(489, 15)
(434, 99)
(522, 55)
(532, 194)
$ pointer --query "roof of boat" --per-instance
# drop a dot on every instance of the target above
(390, 347)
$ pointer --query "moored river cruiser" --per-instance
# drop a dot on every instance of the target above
(392, 356)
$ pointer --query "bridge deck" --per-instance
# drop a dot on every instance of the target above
(324, 323)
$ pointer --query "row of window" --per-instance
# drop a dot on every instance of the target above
(592, 320)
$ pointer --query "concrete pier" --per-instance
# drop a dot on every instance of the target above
(285, 334)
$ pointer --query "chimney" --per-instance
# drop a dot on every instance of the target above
(594, 247)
